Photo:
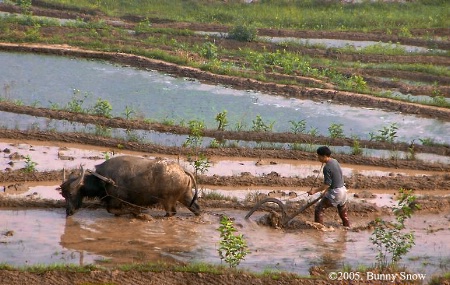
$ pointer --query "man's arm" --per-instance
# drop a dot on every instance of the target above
(321, 188)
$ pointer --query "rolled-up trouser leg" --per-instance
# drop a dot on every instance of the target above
(320, 207)
(342, 210)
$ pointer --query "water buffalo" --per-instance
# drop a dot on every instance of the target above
(128, 183)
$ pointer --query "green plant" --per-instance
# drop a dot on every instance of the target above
(214, 195)
(336, 131)
(386, 134)
(260, 126)
(76, 104)
(439, 100)
(411, 154)
(389, 238)
(54, 106)
(168, 122)
(405, 32)
(427, 141)
(129, 113)
(232, 248)
(243, 33)
(298, 127)
(25, 6)
(143, 27)
(193, 141)
(102, 131)
(201, 164)
(133, 136)
(217, 143)
(313, 132)
(356, 147)
(102, 108)
(221, 118)
(208, 50)
(33, 33)
(195, 138)
(30, 166)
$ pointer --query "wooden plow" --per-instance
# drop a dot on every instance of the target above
(285, 219)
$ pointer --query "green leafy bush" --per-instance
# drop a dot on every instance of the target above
(390, 238)
(233, 248)
(243, 33)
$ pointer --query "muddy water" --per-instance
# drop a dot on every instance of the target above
(24, 78)
(37, 236)
(94, 236)
(56, 156)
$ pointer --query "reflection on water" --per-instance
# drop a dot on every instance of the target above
(124, 240)
(36, 238)
(24, 78)
(92, 236)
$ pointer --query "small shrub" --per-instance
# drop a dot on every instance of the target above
(232, 248)
(208, 50)
(102, 108)
(129, 113)
(389, 237)
(221, 118)
(201, 164)
(336, 131)
(298, 127)
(76, 104)
(260, 126)
(243, 33)
(25, 6)
(30, 166)
(356, 148)
(386, 134)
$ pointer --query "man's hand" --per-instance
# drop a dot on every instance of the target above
(320, 189)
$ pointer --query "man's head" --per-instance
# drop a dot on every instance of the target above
(323, 154)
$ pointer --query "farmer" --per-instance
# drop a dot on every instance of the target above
(333, 183)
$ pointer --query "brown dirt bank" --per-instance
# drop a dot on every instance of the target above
(348, 98)
(54, 277)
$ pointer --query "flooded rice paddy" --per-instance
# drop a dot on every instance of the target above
(56, 157)
(26, 78)
(37, 236)
(97, 237)
(334, 43)
(93, 236)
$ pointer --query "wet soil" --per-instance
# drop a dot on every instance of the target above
(439, 181)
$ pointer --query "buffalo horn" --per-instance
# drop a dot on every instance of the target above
(75, 185)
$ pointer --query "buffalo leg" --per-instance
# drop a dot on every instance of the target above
(191, 205)
(170, 208)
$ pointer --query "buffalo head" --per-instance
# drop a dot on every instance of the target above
(71, 191)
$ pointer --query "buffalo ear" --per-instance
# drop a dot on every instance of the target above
(75, 185)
